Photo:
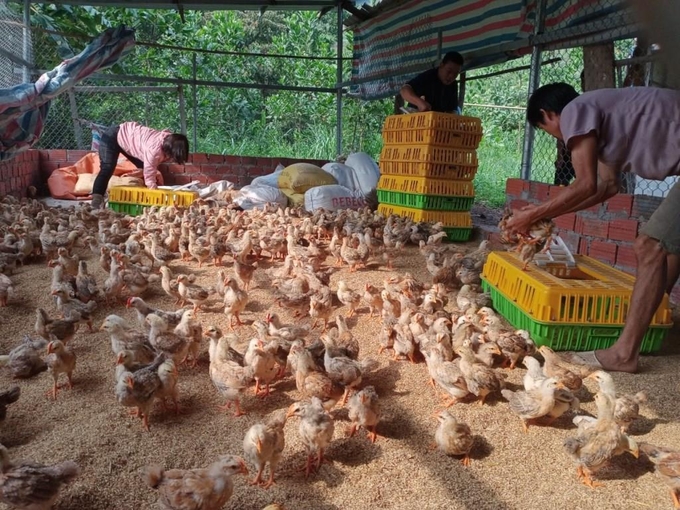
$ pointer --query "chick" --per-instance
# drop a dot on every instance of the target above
(191, 329)
(168, 375)
(60, 360)
(627, 408)
(6, 289)
(667, 463)
(372, 299)
(25, 359)
(480, 380)
(533, 404)
(568, 374)
(316, 429)
(196, 489)
(229, 378)
(594, 445)
(61, 329)
(235, 301)
(8, 397)
(244, 272)
(364, 411)
(454, 437)
(348, 297)
(195, 294)
(264, 443)
(30, 486)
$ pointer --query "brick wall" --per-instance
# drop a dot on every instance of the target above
(240, 170)
(206, 168)
(19, 173)
(605, 232)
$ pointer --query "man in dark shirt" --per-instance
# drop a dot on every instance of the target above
(436, 89)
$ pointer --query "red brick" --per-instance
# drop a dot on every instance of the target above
(208, 169)
(644, 206)
(556, 190)
(517, 204)
(182, 179)
(578, 223)
(3, 189)
(513, 187)
(175, 168)
(73, 155)
(47, 167)
(57, 154)
(539, 190)
(626, 255)
(198, 157)
(623, 230)
(603, 251)
(595, 228)
(620, 204)
(566, 221)
(232, 160)
(597, 208)
(216, 159)
(583, 246)
(248, 161)
(571, 239)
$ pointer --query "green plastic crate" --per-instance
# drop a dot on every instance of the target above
(457, 234)
(569, 337)
(130, 209)
(430, 202)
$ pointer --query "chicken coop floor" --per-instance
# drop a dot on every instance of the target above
(510, 469)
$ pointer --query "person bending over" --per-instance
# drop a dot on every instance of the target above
(436, 89)
(610, 132)
(143, 146)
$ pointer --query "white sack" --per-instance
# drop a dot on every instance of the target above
(255, 197)
(366, 171)
(271, 180)
(344, 174)
(332, 198)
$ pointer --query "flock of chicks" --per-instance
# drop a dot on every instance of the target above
(462, 349)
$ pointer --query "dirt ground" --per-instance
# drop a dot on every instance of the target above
(510, 469)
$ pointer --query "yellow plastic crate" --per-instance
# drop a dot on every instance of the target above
(590, 293)
(426, 186)
(150, 197)
(433, 128)
(428, 161)
(449, 219)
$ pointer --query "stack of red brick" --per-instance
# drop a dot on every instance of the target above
(605, 232)
(19, 173)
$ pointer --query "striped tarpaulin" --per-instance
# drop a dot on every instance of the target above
(23, 108)
(407, 36)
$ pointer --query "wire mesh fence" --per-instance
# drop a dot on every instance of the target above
(13, 47)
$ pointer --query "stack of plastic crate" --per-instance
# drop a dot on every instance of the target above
(427, 166)
(578, 307)
(133, 199)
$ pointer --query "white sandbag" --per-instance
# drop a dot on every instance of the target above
(366, 171)
(333, 197)
(269, 180)
(345, 175)
(256, 197)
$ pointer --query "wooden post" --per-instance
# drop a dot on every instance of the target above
(599, 72)
(598, 67)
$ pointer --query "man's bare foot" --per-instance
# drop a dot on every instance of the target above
(612, 361)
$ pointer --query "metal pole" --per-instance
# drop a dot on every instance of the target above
(195, 101)
(534, 82)
(182, 110)
(26, 75)
(338, 93)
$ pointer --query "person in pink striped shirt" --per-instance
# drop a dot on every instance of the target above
(143, 146)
